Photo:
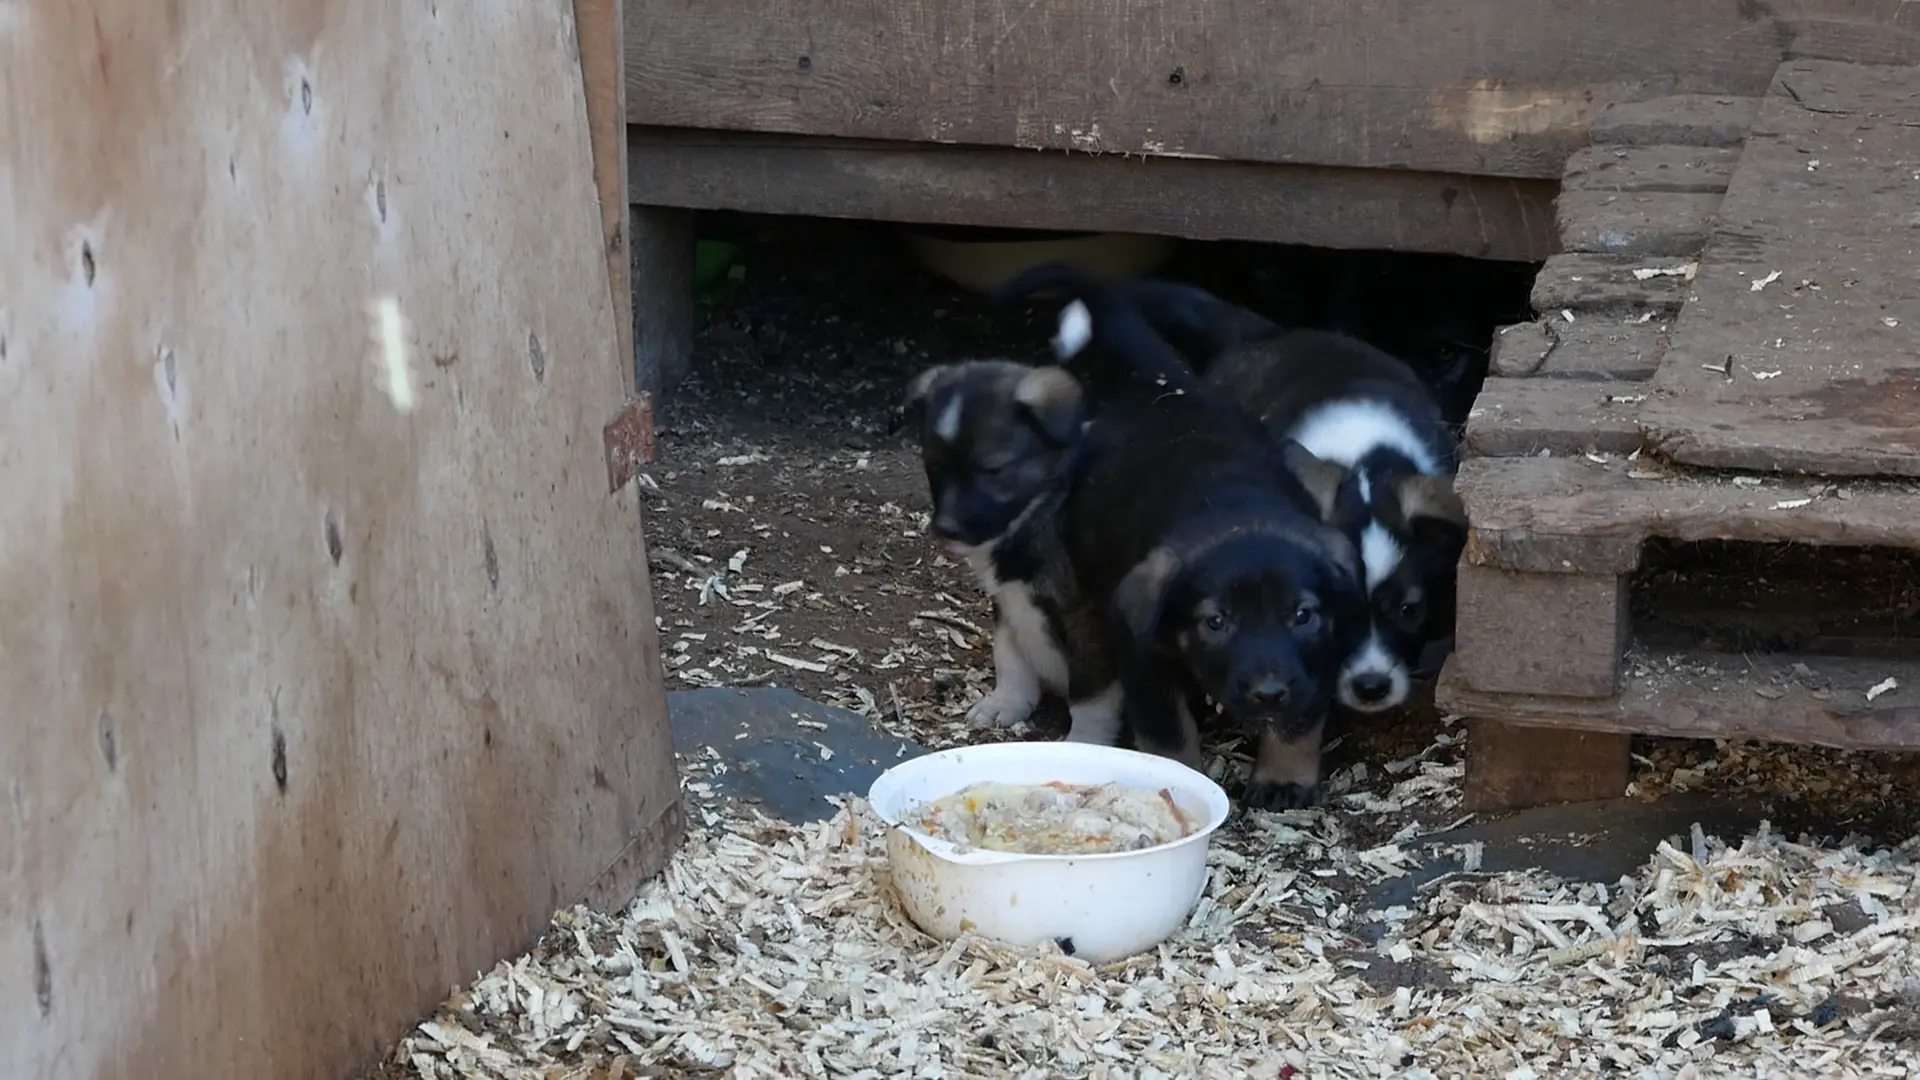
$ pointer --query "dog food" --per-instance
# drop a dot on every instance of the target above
(1055, 818)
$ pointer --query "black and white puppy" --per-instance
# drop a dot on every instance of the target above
(1001, 443)
(1350, 403)
(1205, 534)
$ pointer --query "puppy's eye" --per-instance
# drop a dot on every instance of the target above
(1305, 616)
(1214, 622)
(1412, 610)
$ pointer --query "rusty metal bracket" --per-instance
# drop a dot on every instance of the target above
(628, 439)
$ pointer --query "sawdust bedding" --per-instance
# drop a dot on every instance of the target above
(771, 949)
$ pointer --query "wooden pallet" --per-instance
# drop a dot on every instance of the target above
(1588, 441)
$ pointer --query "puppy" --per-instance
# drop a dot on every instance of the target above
(1352, 404)
(1356, 405)
(1204, 533)
(1001, 444)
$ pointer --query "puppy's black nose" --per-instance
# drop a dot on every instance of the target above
(1371, 686)
(1268, 694)
(945, 527)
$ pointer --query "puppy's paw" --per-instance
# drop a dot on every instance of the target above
(1269, 795)
(1001, 708)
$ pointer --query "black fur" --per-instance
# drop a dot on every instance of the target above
(1223, 579)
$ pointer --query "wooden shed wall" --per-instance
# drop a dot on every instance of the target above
(1479, 87)
(316, 700)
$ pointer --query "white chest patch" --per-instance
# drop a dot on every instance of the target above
(1380, 554)
(980, 561)
(946, 426)
(1345, 431)
(1032, 634)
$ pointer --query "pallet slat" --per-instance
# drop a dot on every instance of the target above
(1799, 699)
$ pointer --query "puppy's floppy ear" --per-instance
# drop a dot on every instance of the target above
(1431, 507)
(1053, 398)
(913, 403)
(1322, 478)
(1141, 597)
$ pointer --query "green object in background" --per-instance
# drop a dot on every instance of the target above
(715, 274)
(712, 260)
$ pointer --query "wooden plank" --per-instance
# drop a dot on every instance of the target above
(1461, 86)
(602, 39)
(1605, 284)
(1525, 417)
(1513, 767)
(335, 690)
(663, 249)
(1679, 170)
(1202, 200)
(1519, 350)
(1818, 368)
(1647, 202)
(1566, 515)
(1557, 634)
(1604, 350)
(1701, 695)
(1721, 120)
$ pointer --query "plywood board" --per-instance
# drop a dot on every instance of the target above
(322, 693)
(1481, 87)
(1200, 200)
(1798, 349)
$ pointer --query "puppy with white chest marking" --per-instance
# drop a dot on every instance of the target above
(1350, 403)
(1205, 533)
(1001, 443)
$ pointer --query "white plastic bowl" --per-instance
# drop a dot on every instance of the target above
(1100, 907)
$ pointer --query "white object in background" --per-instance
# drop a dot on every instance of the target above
(1099, 907)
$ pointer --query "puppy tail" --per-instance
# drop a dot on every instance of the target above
(1100, 312)
(1198, 324)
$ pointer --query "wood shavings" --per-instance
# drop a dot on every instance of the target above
(769, 949)
(1684, 270)
(1884, 686)
(1760, 283)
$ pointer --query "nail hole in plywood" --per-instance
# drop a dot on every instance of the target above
(536, 357)
(42, 971)
(489, 558)
(335, 547)
(279, 765)
(380, 199)
(109, 744)
(306, 97)
(86, 261)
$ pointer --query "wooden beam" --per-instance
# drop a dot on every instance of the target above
(601, 33)
(1481, 87)
(1513, 768)
(1202, 200)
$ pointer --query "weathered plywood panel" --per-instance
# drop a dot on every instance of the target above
(1799, 346)
(1486, 87)
(1202, 200)
(319, 698)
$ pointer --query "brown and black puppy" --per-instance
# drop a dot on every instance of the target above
(1204, 533)
(1001, 443)
(1350, 403)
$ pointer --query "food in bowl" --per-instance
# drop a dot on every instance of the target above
(1055, 818)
